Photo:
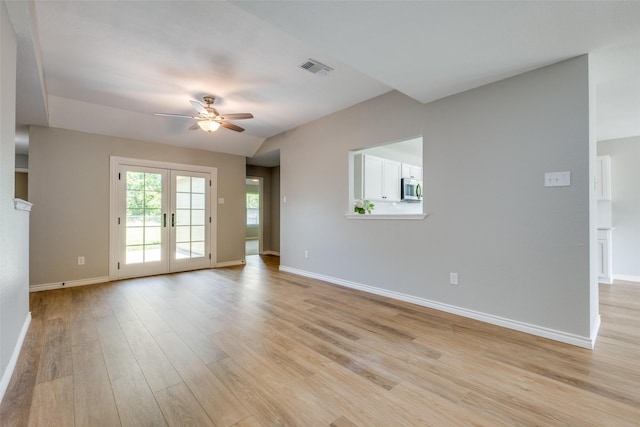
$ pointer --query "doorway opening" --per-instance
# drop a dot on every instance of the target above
(253, 239)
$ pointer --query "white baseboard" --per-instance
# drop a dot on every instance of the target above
(577, 340)
(626, 278)
(230, 263)
(6, 376)
(105, 279)
(69, 284)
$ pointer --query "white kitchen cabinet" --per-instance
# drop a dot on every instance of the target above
(377, 179)
(411, 171)
(391, 186)
(603, 178)
(373, 180)
(605, 270)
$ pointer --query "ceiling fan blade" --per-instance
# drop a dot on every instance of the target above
(175, 115)
(231, 126)
(196, 126)
(199, 108)
(237, 116)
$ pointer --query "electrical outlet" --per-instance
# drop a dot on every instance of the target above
(557, 179)
(80, 260)
(306, 254)
(453, 278)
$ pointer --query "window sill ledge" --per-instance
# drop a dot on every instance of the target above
(22, 205)
(387, 216)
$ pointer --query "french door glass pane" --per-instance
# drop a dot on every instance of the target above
(190, 217)
(183, 250)
(135, 254)
(197, 249)
(197, 217)
(135, 236)
(153, 235)
(183, 217)
(183, 234)
(143, 234)
(153, 218)
(198, 186)
(183, 184)
(197, 201)
(197, 233)
(183, 201)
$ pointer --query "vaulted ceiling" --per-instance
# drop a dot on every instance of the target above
(106, 67)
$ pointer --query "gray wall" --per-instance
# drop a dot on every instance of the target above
(271, 205)
(14, 240)
(625, 201)
(523, 252)
(69, 187)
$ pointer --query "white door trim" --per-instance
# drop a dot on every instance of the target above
(260, 213)
(115, 163)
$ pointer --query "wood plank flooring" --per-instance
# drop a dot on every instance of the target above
(252, 346)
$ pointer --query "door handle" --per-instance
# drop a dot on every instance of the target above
(173, 220)
(164, 220)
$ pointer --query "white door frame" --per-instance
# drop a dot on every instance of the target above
(115, 163)
(260, 212)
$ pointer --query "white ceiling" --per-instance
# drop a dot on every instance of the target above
(105, 67)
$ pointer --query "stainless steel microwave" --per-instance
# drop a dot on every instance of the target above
(411, 190)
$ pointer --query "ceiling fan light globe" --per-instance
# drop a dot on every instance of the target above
(208, 125)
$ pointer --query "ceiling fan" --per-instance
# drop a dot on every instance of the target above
(208, 117)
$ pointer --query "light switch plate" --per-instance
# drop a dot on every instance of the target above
(453, 278)
(221, 200)
(557, 179)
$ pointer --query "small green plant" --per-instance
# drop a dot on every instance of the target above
(363, 206)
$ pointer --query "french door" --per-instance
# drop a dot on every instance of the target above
(164, 220)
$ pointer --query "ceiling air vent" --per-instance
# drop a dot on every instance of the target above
(316, 67)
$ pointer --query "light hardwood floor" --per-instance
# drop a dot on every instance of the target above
(253, 346)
